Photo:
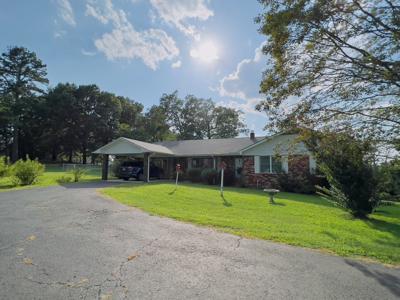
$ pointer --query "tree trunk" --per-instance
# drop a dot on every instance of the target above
(84, 158)
(14, 147)
(54, 154)
(70, 157)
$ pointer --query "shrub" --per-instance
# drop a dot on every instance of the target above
(389, 180)
(229, 177)
(3, 166)
(301, 182)
(194, 174)
(209, 176)
(64, 179)
(77, 173)
(26, 172)
(346, 163)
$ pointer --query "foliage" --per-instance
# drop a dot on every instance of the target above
(26, 172)
(389, 180)
(64, 179)
(197, 118)
(301, 220)
(347, 164)
(194, 174)
(209, 176)
(296, 182)
(3, 166)
(50, 177)
(229, 177)
(336, 61)
(22, 75)
(77, 173)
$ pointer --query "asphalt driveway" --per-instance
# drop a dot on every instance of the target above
(71, 243)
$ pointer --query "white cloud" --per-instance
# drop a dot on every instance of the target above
(243, 84)
(59, 34)
(178, 12)
(88, 53)
(124, 42)
(66, 12)
(176, 64)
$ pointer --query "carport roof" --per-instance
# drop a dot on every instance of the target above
(128, 146)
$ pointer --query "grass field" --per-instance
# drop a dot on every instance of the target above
(50, 177)
(295, 219)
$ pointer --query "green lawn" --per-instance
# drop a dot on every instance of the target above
(51, 175)
(295, 219)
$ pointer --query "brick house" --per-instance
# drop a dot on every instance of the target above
(255, 160)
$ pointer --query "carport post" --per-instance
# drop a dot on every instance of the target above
(146, 166)
(104, 170)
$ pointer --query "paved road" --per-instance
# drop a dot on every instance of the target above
(71, 243)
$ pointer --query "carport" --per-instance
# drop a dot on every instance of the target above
(129, 147)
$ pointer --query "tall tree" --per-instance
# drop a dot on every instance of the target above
(333, 63)
(22, 75)
(226, 123)
(197, 118)
(131, 119)
(155, 126)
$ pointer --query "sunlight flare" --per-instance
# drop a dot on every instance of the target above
(205, 51)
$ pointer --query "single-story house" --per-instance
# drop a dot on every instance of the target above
(257, 160)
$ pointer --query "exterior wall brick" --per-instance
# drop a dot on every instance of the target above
(262, 180)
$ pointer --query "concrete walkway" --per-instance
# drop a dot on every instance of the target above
(71, 243)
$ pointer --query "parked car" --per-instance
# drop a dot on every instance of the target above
(134, 169)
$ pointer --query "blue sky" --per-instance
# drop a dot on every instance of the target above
(144, 48)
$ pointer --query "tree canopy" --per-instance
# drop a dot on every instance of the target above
(197, 118)
(22, 76)
(68, 122)
(332, 64)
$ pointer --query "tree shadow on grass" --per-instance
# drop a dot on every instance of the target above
(387, 280)
(392, 211)
(384, 226)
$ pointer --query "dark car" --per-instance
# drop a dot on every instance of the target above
(134, 169)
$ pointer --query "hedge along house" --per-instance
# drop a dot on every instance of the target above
(255, 160)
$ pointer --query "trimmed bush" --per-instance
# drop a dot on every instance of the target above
(3, 166)
(194, 174)
(77, 173)
(209, 176)
(229, 177)
(297, 182)
(26, 172)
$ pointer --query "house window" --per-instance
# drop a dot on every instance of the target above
(270, 164)
(196, 162)
(265, 164)
(202, 162)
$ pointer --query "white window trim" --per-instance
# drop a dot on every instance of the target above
(257, 165)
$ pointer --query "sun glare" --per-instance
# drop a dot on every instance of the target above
(206, 52)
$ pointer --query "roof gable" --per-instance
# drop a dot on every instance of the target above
(129, 146)
(283, 144)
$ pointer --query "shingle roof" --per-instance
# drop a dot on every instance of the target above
(149, 147)
(111, 148)
(229, 146)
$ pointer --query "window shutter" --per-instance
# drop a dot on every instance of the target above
(256, 164)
